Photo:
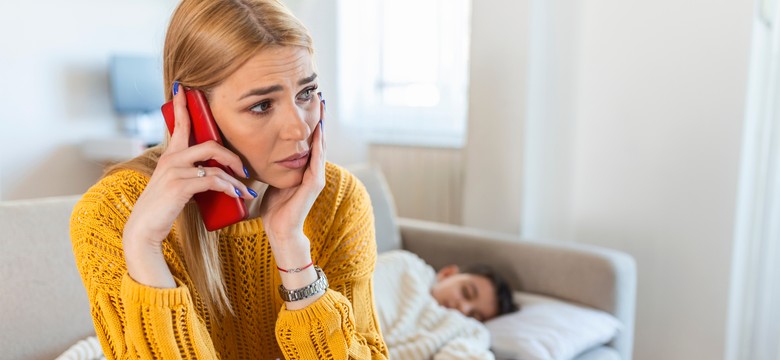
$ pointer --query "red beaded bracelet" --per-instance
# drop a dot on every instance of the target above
(295, 270)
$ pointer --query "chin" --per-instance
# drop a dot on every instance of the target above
(287, 180)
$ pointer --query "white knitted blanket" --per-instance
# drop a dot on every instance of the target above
(87, 349)
(413, 324)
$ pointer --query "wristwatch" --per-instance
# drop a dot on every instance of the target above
(307, 291)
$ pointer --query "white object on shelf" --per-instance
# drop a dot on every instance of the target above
(112, 149)
(149, 127)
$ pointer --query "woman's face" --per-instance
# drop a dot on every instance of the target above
(267, 111)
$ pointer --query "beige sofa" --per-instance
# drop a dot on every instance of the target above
(44, 308)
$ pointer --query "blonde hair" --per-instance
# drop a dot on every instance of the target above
(207, 41)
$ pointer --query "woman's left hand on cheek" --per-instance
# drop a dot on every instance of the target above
(283, 211)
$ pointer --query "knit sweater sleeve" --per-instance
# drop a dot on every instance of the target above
(342, 324)
(132, 321)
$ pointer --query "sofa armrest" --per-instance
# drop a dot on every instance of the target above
(597, 277)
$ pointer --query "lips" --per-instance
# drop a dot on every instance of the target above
(295, 161)
(296, 156)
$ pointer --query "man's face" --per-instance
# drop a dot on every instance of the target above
(472, 295)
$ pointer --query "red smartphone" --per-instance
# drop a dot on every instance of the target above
(217, 209)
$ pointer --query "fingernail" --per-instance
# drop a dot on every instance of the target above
(252, 192)
(324, 105)
(322, 127)
(175, 87)
(246, 172)
(238, 192)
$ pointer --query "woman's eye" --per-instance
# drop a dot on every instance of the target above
(465, 292)
(261, 107)
(307, 94)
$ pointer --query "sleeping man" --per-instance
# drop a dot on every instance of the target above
(429, 315)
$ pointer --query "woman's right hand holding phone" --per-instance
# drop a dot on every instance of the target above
(172, 184)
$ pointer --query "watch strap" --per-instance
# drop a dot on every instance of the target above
(307, 291)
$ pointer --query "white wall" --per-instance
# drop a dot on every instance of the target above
(497, 107)
(55, 85)
(659, 101)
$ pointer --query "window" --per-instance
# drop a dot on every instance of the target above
(403, 69)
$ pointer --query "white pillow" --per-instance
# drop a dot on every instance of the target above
(549, 329)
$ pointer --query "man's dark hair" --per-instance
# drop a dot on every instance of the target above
(503, 291)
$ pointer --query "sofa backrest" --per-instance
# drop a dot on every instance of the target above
(388, 235)
(43, 305)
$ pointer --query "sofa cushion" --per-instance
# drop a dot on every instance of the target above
(388, 235)
(44, 306)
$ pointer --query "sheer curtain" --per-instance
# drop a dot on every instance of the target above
(754, 329)
(403, 70)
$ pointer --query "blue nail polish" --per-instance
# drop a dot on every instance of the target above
(252, 192)
(175, 87)
(324, 105)
(322, 126)
(246, 172)
(238, 192)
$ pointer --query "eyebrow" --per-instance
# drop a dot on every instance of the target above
(307, 80)
(273, 88)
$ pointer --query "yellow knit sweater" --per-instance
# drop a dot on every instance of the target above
(136, 321)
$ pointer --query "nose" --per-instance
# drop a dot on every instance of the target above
(464, 307)
(294, 126)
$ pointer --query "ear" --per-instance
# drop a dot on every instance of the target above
(447, 271)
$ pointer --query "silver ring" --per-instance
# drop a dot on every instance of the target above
(201, 171)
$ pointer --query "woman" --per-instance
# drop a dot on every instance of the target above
(159, 284)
